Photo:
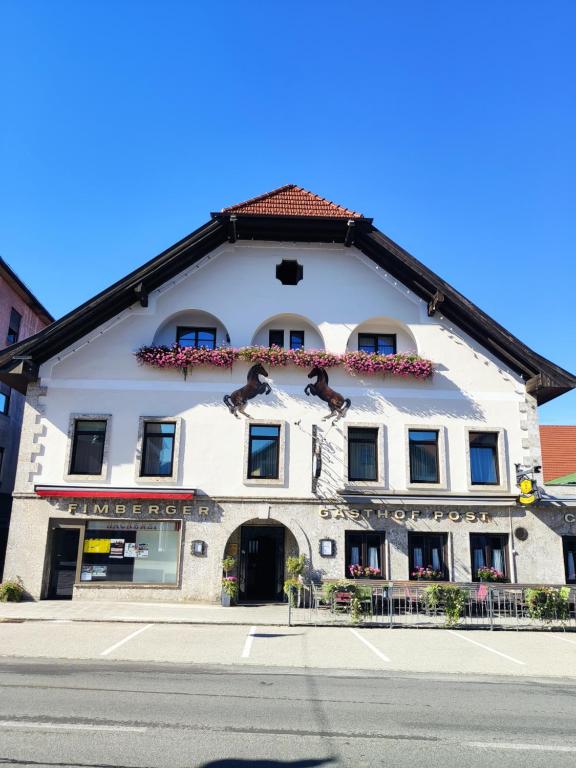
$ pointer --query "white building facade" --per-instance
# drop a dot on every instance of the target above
(136, 479)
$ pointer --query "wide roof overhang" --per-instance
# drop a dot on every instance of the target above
(545, 380)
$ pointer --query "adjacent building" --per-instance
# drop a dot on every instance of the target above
(284, 380)
(21, 316)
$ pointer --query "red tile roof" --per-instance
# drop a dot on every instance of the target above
(291, 200)
(558, 450)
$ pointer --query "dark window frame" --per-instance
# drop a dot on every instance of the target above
(184, 330)
(568, 545)
(74, 452)
(495, 455)
(375, 432)
(372, 340)
(487, 541)
(364, 537)
(13, 326)
(145, 448)
(273, 343)
(429, 540)
(4, 410)
(418, 443)
(251, 439)
(297, 345)
(2, 454)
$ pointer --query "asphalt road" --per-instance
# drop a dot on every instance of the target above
(115, 713)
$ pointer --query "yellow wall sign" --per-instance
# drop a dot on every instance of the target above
(526, 486)
(97, 546)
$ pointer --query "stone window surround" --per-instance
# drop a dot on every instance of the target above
(281, 452)
(380, 481)
(501, 447)
(103, 475)
(442, 483)
(159, 479)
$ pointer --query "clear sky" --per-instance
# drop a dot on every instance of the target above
(123, 123)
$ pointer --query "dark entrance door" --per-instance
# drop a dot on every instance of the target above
(63, 566)
(262, 563)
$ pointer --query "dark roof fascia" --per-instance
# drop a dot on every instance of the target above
(109, 302)
(24, 292)
(546, 380)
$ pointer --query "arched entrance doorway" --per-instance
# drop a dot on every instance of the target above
(260, 548)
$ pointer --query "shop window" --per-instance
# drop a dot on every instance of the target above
(4, 403)
(196, 337)
(365, 550)
(362, 453)
(428, 550)
(484, 458)
(296, 339)
(158, 449)
(88, 447)
(276, 339)
(489, 550)
(263, 451)
(379, 343)
(13, 327)
(423, 456)
(134, 552)
(570, 558)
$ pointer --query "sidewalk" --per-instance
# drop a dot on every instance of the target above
(266, 614)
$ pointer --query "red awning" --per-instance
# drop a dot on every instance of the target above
(67, 491)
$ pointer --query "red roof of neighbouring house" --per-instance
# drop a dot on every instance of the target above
(558, 450)
(291, 200)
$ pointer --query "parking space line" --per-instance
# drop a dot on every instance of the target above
(126, 639)
(70, 726)
(369, 645)
(248, 643)
(564, 639)
(486, 647)
(523, 747)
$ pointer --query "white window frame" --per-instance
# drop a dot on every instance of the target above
(381, 456)
(280, 480)
(504, 484)
(74, 417)
(157, 479)
(442, 483)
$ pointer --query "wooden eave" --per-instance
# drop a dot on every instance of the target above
(544, 379)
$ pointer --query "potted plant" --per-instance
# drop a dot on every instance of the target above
(229, 592)
(295, 565)
(489, 574)
(356, 571)
(427, 574)
(548, 604)
(12, 590)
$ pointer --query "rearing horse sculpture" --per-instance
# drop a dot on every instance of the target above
(258, 383)
(337, 404)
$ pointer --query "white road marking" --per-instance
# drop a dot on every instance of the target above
(486, 647)
(564, 639)
(369, 644)
(523, 747)
(70, 726)
(248, 643)
(126, 639)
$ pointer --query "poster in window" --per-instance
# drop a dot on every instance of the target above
(86, 573)
(116, 549)
(130, 549)
(142, 550)
(97, 546)
(99, 571)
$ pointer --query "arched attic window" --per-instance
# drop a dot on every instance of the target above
(383, 336)
(192, 328)
(288, 331)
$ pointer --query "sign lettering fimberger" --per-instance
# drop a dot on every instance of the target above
(404, 514)
(93, 508)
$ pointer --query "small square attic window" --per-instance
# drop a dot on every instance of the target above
(289, 272)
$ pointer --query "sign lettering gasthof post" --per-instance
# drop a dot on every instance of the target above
(401, 515)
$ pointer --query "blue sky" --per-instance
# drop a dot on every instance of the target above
(125, 122)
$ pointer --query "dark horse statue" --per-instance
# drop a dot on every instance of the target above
(258, 383)
(337, 404)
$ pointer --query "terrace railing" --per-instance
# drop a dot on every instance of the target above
(420, 605)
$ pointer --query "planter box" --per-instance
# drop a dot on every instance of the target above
(225, 600)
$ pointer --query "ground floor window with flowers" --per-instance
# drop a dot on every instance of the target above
(427, 553)
(364, 555)
(489, 556)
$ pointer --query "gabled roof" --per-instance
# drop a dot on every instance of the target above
(558, 444)
(565, 480)
(24, 292)
(291, 200)
(545, 380)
